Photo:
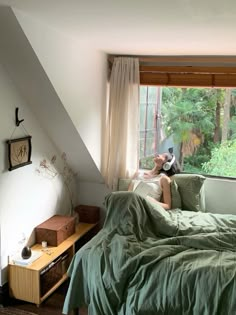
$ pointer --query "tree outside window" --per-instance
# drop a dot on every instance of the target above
(200, 124)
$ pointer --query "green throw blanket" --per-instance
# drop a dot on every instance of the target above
(149, 261)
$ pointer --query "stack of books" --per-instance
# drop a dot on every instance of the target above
(18, 260)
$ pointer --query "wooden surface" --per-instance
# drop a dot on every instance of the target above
(24, 281)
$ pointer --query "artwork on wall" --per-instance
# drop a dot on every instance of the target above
(19, 152)
(48, 169)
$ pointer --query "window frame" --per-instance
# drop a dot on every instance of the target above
(186, 71)
(183, 172)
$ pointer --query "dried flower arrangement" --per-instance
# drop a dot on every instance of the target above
(49, 170)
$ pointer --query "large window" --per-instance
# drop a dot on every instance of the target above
(198, 123)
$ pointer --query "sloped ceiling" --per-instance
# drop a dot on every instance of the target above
(134, 27)
(150, 27)
(18, 57)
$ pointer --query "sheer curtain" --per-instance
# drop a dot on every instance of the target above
(121, 134)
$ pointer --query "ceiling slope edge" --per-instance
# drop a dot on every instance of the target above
(25, 70)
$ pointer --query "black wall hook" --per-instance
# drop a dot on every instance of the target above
(17, 119)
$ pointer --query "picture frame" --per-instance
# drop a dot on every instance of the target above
(19, 152)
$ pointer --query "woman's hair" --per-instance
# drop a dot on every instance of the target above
(175, 168)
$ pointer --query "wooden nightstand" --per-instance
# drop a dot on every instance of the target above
(35, 282)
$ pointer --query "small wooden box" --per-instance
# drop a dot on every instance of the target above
(55, 230)
(88, 214)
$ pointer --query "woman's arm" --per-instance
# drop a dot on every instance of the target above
(131, 185)
(166, 193)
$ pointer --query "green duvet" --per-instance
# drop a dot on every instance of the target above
(148, 261)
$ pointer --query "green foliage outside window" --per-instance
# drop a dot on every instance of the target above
(202, 122)
(223, 160)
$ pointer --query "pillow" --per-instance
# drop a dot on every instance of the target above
(175, 195)
(187, 191)
(123, 185)
(191, 189)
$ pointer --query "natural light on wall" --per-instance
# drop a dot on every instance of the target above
(198, 123)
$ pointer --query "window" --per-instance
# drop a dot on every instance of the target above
(198, 123)
(197, 118)
(149, 113)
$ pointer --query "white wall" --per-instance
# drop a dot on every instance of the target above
(220, 195)
(26, 197)
(78, 72)
(32, 81)
(93, 194)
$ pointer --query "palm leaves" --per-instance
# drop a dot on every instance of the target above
(187, 117)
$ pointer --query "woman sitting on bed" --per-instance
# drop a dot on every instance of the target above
(155, 184)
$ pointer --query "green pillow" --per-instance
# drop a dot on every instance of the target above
(175, 196)
(190, 187)
(123, 184)
(187, 191)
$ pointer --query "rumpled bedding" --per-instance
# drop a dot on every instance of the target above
(149, 261)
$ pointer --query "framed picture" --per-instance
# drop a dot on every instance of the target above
(19, 152)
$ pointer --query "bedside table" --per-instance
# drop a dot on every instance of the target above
(35, 282)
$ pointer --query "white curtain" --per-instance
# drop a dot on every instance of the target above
(121, 133)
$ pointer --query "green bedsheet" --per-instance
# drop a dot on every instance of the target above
(148, 261)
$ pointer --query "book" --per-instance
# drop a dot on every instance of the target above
(18, 260)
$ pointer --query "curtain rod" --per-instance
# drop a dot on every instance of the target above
(180, 59)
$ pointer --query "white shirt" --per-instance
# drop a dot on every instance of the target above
(148, 186)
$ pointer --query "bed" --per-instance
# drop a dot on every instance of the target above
(146, 260)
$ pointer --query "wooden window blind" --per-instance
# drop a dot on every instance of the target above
(187, 71)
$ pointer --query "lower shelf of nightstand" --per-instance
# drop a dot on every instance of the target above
(57, 285)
